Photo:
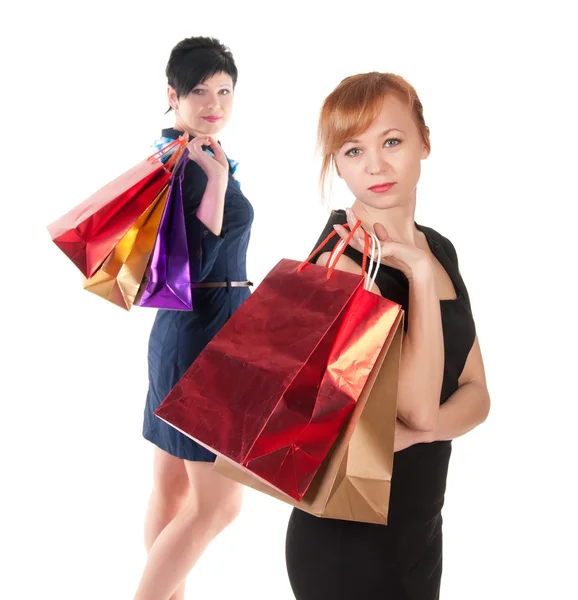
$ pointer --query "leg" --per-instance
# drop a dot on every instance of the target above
(213, 502)
(169, 495)
(170, 490)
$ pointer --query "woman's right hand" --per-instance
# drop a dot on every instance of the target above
(403, 257)
(216, 167)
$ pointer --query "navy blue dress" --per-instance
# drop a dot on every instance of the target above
(178, 337)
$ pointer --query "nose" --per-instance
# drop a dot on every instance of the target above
(376, 163)
(214, 101)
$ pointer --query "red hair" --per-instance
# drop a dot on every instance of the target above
(354, 104)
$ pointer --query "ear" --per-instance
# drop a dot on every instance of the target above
(425, 152)
(172, 96)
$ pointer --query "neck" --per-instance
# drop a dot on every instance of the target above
(399, 221)
(180, 126)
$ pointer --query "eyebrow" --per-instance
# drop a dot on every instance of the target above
(386, 132)
(224, 85)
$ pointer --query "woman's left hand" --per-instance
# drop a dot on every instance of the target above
(216, 167)
(403, 257)
(406, 437)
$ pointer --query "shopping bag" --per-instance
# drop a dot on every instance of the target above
(119, 278)
(276, 385)
(167, 281)
(354, 481)
(89, 232)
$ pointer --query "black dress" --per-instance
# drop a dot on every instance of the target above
(178, 337)
(329, 559)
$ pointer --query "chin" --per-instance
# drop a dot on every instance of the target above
(381, 201)
(211, 129)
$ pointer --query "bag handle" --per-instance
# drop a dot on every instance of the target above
(322, 245)
(375, 258)
(178, 144)
(338, 251)
(176, 157)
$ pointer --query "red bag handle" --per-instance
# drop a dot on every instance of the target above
(175, 157)
(179, 144)
(341, 251)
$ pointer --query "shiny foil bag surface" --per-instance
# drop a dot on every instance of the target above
(167, 281)
(274, 388)
(354, 481)
(119, 278)
(89, 232)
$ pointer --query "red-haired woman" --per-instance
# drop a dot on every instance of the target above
(372, 131)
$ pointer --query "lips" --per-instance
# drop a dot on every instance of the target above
(381, 188)
(211, 119)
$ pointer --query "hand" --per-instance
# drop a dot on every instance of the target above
(406, 437)
(215, 167)
(402, 257)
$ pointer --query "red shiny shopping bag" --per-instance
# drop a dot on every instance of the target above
(89, 232)
(276, 385)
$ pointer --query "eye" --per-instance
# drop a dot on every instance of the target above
(392, 143)
(225, 92)
(198, 91)
(353, 152)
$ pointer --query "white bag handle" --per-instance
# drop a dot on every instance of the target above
(374, 259)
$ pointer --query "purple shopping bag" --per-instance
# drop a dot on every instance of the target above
(167, 281)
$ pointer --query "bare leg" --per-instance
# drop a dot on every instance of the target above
(212, 504)
(169, 495)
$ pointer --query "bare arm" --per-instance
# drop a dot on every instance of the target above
(465, 409)
(216, 167)
(211, 208)
(422, 358)
(469, 405)
(422, 361)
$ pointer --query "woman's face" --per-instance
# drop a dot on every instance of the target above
(206, 110)
(382, 165)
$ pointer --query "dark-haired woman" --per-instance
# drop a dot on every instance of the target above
(190, 504)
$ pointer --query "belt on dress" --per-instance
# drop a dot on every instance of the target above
(221, 284)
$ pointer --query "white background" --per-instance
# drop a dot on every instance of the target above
(83, 96)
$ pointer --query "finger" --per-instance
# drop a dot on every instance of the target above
(219, 153)
(344, 235)
(351, 217)
(201, 141)
(210, 142)
(194, 146)
(341, 231)
(380, 232)
(359, 235)
(195, 152)
(199, 146)
(198, 155)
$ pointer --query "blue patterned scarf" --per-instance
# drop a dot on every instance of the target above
(163, 141)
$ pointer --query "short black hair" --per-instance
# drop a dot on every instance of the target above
(196, 59)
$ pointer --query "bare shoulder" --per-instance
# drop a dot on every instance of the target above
(345, 264)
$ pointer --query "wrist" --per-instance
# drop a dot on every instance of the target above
(218, 181)
(422, 271)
